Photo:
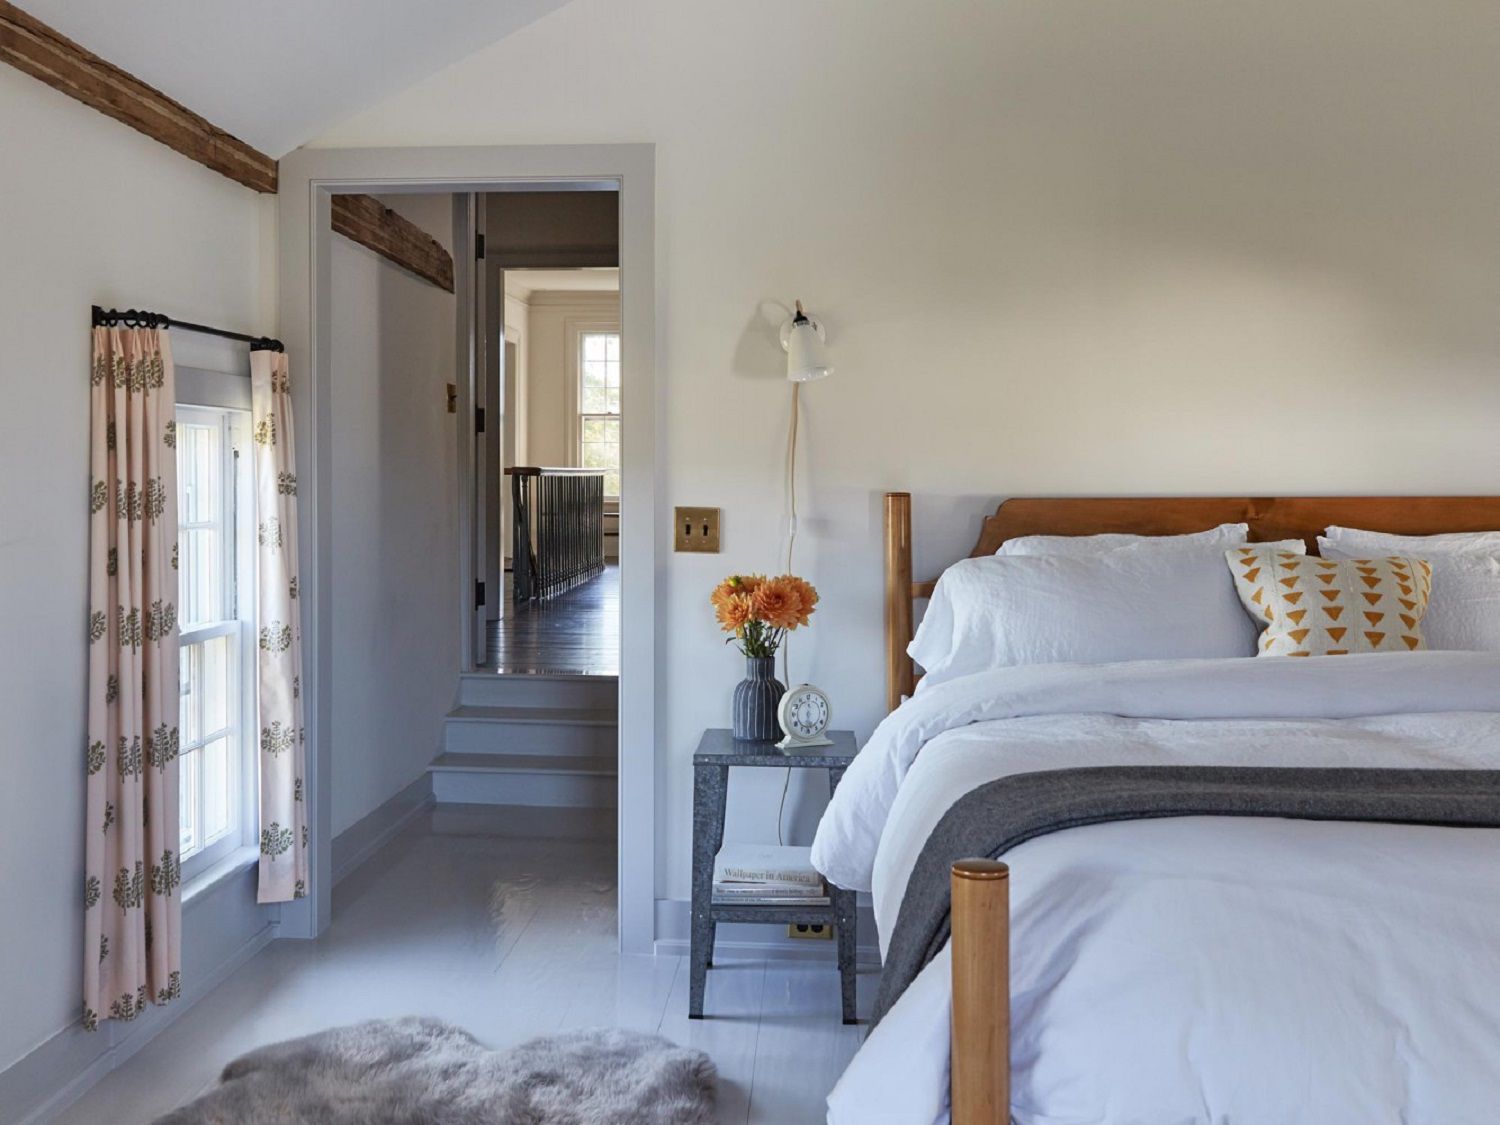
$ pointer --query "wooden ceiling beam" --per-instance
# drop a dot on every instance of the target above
(31, 46)
(36, 49)
(371, 223)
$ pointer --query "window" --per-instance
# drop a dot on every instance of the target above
(215, 599)
(599, 406)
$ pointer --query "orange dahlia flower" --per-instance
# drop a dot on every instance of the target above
(733, 611)
(778, 604)
(807, 596)
(734, 586)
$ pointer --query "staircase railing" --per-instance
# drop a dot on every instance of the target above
(558, 525)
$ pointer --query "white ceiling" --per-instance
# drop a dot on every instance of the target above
(276, 73)
(523, 283)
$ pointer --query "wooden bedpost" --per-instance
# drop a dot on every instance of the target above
(898, 667)
(981, 993)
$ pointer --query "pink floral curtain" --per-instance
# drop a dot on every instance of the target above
(283, 757)
(132, 909)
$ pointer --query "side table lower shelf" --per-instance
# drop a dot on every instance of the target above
(839, 913)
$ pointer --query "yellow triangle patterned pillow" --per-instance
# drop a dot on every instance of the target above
(1316, 607)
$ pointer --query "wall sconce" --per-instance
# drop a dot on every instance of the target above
(806, 348)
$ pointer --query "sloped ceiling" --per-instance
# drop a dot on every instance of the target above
(276, 73)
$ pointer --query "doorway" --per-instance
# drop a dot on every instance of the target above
(548, 501)
(534, 736)
(309, 177)
(562, 387)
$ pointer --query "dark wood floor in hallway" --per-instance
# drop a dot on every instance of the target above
(577, 632)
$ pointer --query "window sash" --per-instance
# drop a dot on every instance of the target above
(207, 849)
(605, 405)
(230, 796)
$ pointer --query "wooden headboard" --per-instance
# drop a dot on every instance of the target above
(1270, 518)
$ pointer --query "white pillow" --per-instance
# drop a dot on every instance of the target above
(1215, 538)
(1464, 610)
(1424, 546)
(1125, 604)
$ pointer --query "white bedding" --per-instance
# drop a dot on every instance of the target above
(1201, 969)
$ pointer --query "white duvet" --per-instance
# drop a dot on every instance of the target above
(1216, 970)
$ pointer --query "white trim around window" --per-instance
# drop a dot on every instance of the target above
(217, 636)
(574, 329)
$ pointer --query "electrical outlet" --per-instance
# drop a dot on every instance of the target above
(697, 530)
(815, 930)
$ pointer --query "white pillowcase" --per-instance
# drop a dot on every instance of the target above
(1125, 604)
(1464, 610)
(1417, 546)
(1215, 538)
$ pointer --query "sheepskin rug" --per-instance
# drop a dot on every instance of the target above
(416, 1071)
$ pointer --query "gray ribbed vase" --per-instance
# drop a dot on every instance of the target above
(756, 698)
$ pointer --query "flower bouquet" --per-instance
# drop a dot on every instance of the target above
(757, 612)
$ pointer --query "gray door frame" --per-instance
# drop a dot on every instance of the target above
(308, 179)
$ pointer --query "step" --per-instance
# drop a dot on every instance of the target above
(531, 730)
(574, 780)
(493, 689)
(565, 716)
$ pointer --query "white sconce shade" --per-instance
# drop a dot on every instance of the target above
(806, 348)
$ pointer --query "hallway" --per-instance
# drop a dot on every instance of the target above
(577, 632)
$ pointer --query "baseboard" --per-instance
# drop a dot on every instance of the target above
(370, 833)
(674, 930)
(66, 1066)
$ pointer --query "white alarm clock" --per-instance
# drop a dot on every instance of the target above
(804, 714)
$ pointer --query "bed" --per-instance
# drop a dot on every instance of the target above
(1304, 959)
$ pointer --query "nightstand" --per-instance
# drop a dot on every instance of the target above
(717, 752)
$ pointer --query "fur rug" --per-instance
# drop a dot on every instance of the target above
(425, 1072)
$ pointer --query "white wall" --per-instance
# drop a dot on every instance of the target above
(1163, 246)
(394, 534)
(551, 316)
(91, 212)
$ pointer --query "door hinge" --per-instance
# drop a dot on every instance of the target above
(478, 595)
(479, 246)
(479, 419)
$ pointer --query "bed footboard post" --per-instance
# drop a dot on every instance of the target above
(899, 678)
(980, 1052)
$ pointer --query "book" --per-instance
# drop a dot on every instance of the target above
(766, 865)
(770, 900)
(761, 890)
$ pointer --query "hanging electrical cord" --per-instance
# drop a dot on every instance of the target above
(791, 541)
(791, 475)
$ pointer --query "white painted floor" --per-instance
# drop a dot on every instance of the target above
(510, 938)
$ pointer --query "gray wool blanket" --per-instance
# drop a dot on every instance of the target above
(996, 817)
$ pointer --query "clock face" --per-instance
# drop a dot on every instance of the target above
(804, 712)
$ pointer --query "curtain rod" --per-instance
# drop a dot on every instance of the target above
(135, 318)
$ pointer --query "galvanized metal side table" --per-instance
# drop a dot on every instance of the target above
(717, 752)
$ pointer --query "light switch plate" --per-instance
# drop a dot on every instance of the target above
(697, 530)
